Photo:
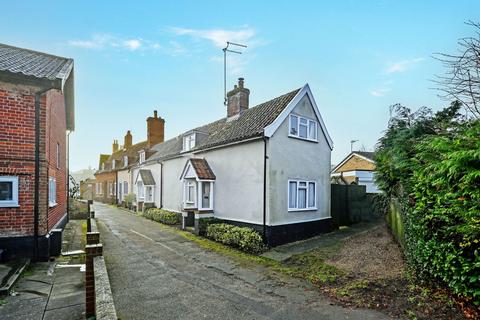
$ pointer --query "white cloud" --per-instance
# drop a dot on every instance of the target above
(100, 41)
(219, 37)
(382, 90)
(404, 65)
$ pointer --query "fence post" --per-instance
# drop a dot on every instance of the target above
(93, 237)
(91, 251)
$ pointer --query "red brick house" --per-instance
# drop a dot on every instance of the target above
(36, 115)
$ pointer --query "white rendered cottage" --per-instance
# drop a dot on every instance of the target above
(266, 167)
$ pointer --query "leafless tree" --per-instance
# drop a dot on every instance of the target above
(462, 80)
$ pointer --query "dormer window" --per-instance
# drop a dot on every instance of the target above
(142, 157)
(125, 161)
(113, 164)
(302, 128)
(189, 142)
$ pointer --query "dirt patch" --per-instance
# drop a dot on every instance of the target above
(371, 255)
(367, 270)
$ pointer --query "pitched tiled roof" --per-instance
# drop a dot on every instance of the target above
(147, 177)
(202, 169)
(248, 125)
(366, 154)
(34, 63)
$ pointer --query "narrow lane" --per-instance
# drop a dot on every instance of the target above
(157, 274)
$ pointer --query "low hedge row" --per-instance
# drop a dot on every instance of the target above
(245, 239)
(163, 216)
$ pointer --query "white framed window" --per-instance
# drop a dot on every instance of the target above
(8, 191)
(302, 195)
(142, 157)
(125, 187)
(189, 192)
(125, 161)
(57, 152)
(113, 164)
(302, 128)
(103, 166)
(140, 190)
(52, 192)
(189, 142)
(149, 194)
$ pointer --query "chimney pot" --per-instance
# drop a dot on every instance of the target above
(127, 142)
(155, 114)
(240, 82)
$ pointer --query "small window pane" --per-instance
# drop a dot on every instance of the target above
(293, 125)
(292, 194)
(312, 130)
(302, 198)
(303, 128)
(205, 194)
(311, 195)
(6, 191)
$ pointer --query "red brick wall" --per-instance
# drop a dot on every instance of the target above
(105, 178)
(56, 133)
(17, 156)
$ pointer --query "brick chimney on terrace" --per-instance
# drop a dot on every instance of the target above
(115, 146)
(127, 142)
(237, 99)
(155, 130)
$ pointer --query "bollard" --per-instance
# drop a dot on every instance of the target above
(91, 251)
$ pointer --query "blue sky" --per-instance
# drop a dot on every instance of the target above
(359, 57)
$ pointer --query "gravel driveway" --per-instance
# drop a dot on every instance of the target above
(157, 274)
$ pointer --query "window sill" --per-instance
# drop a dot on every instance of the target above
(306, 209)
(304, 139)
(9, 205)
(51, 205)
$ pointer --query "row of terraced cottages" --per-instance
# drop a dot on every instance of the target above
(266, 167)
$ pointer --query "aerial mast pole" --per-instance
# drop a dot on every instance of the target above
(225, 50)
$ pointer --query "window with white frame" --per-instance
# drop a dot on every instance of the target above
(303, 128)
(189, 142)
(206, 194)
(52, 192)
(149, 195)
(142, 157)
(302, 195)
(58, 155)
(125, 161)
(8, 191)
(113, 164)
(140, 190)
(189, 193)
(125, 187)
(103, 166)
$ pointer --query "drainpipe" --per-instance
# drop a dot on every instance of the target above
(265, 157)
(68, 175)
(161, 185)
(36, 201)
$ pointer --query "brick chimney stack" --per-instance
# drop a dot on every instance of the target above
(127, 142)
(155, 130)
(237, 99)
(115, 146)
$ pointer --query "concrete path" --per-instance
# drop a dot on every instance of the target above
(283, 252)
(48, 290)
(157, 274)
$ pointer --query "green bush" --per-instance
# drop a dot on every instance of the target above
(245, 239)
(431, 164)
(162, 216)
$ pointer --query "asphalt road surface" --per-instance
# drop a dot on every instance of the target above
(155, 273)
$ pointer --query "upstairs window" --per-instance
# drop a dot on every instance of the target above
(142, 157)
(302, 128)
(103, 166)
(52, 192)
(125, 161)
(302, 195)
(189, 142)
(8, 191)
(113, 164)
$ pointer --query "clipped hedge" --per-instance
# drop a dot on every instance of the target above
(245, 239)
(162, 216)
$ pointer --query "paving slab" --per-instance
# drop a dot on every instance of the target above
(75, 312)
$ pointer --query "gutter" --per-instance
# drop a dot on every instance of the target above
(265, 158)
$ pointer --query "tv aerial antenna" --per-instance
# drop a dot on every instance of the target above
(225, 50)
